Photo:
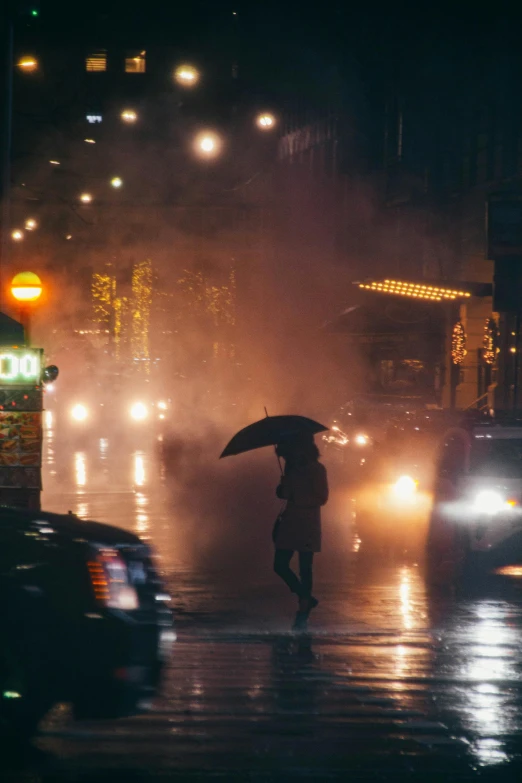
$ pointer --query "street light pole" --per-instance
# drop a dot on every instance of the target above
(6, 150)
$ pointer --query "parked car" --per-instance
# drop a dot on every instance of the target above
(84, 619)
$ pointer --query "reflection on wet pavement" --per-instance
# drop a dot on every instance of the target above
(392, 682)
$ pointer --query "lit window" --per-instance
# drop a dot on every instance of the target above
(136, 63)
(92, 118)
(97, 61)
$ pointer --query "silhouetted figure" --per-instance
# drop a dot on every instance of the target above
(304, 486)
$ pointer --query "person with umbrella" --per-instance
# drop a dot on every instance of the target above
(304, 486)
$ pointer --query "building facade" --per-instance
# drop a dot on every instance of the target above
(450, 137)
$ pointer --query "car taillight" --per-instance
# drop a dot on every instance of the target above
(110, 581)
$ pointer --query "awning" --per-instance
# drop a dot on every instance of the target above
(402, 318)
(433, 291)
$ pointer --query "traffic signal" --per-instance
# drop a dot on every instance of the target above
(28, 8)
(50, 373)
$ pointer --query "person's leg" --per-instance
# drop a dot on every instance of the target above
(282, 568)
(306, 560)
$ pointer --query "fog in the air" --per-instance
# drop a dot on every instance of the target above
(247, 269)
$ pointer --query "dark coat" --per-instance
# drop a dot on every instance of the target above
(305, 488)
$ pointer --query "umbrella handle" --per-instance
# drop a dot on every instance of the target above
(277, 455)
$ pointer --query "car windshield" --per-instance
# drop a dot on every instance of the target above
(501, 458)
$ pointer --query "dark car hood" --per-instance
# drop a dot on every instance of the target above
(70, 525)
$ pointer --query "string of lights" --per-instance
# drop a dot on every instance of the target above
(458, 343)
(415, 290)
(489, 342)
(103, 289)
(121, 312)
(142, 301)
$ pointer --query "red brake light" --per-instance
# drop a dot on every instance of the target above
(99, 582)
(109, 581)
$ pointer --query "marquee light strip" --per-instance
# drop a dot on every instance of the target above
(415, 290)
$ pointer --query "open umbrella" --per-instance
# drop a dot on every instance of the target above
(270, 431)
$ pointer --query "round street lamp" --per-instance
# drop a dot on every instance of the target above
(186, 75)
(86, 198)
(208, 144)
(30, 224)
(116, 182)
(129, 116)
(26, 288)
(265, 121)
(17, 235)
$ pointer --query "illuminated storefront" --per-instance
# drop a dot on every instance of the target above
(433, 340)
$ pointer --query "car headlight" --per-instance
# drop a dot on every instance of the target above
(139, 411)
(361, 439)
(79, 412)
(405, 487)
(489, 501)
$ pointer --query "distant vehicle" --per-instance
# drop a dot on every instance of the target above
(364, 422)
(84, 620)
(476, 522)
(85, 408)
(393, 494)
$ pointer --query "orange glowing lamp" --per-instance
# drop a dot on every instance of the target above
(26, 287)
(28, 63)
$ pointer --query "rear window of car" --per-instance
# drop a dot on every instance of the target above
(501, 458)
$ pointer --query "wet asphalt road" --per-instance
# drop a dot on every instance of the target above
(390, 683)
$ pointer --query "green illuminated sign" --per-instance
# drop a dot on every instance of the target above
(20, 366)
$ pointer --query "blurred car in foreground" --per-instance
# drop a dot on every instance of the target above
(84, 620)
(476, 522)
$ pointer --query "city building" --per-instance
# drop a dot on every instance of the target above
(107, 183)
(450, 137)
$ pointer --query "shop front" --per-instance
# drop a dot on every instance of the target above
(434, 342)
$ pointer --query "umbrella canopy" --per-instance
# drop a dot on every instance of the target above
(270, 431)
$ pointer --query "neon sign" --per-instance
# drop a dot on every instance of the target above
(20, 366)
